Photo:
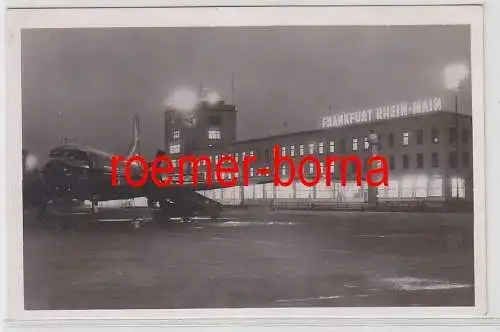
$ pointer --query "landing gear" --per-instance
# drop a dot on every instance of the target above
(187, 219)
(185, 205)
(95, 206)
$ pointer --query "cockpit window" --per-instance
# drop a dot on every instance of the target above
(71, 154)
(57, 153)
(77, 155)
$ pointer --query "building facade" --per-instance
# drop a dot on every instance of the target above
(428, 153)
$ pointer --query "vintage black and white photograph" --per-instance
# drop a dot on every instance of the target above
(248, 167)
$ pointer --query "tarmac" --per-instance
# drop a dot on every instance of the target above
(257, 258)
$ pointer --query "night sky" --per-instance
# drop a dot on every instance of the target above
(86, 84)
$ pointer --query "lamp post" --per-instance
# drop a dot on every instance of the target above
(372, 191)
(454, 75)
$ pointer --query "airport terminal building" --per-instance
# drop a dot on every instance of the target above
(427, 143)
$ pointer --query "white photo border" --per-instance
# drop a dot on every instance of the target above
(18, 19)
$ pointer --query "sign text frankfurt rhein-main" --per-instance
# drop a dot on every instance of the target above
(397, 110)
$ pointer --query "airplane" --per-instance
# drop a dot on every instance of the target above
(75, 172)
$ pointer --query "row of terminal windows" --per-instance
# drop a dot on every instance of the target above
(357, 145)
(405, 162)
(419, 161)
(322, 147)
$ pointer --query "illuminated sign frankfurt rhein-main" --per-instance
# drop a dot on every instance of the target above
(397, 110)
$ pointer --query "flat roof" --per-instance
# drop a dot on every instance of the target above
(320, 130)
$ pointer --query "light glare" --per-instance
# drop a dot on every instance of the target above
(182, 99)
(454, 75)
(211, 97)
(30, 162)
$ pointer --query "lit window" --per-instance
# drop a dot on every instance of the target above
(322, 167)
(458, 187)
(321, 147)
(236, 155)
(214, 134)
(175, 148)
(367, 143)
(406, 138)
(354, 144)
(436, 187)
(311, 168)
(283, 151)
(301, 149)
(332, 146)
(251, 171)
(174, 162)
(252, 152)
(292, 150)
(176, 134)
(283, 170)
(311, 148)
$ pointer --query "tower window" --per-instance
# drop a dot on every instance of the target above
(214, 134)
(301, 149)
(176, 134)
(174, 148)
(292, 150)
(321, 147)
